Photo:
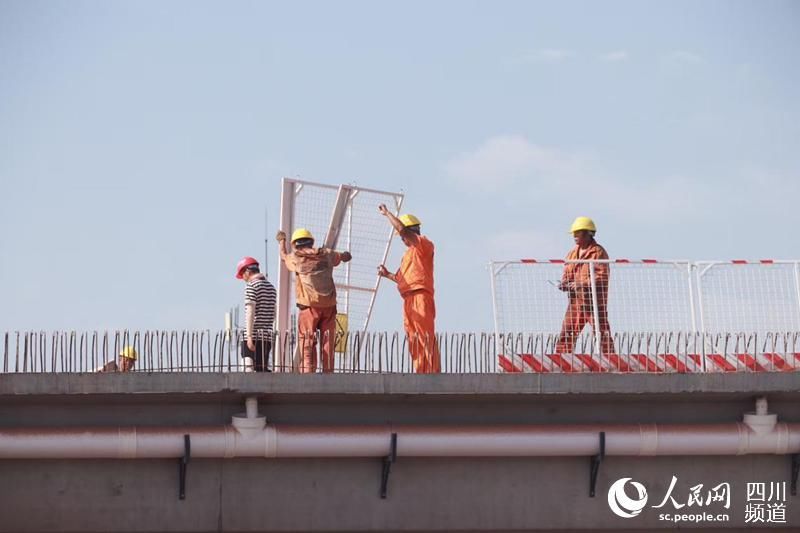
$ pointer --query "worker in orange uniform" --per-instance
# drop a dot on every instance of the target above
(315, 295)
(415, 282)
(576, 282)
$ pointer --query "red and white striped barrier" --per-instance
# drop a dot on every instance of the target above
(653, 364)
(530, 261)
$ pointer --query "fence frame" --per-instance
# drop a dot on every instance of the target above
(497, 267)
(703, 267)
(695, 270)
(291, 188)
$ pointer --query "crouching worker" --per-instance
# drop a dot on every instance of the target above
(415, 282)
(259, 315)
(127, 360)
(315, 295)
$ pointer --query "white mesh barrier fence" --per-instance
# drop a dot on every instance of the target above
(652, 296)
(345, 218)
(366, 234)
(652, 316)
(526, 296)
(313, 205)
(648, 296)
(740, 296)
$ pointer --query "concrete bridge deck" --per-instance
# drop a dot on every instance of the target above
(448, 494)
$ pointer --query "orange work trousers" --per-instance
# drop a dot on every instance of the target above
(419, 314)
(579, 313)
(310, 322)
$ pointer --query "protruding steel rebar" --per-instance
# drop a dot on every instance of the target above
(386, 352)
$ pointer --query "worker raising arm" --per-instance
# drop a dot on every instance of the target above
(414, 281)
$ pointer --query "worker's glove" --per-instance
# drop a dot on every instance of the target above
(280, 236)
(346, 256)
(569, 286)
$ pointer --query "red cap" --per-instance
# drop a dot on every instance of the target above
(244, 263)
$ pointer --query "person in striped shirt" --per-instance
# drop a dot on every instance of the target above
(259, 314)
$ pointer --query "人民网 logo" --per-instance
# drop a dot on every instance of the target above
(621, 504)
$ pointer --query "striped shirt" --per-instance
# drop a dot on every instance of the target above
(262, 293)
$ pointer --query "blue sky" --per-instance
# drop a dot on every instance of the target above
(140, 142)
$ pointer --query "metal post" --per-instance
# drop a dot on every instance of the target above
(343, 197)
(341, 209)
(595, 309)
(689, 268)
(266, 242)
(284, 280)
(349, 245)
(399, 203)
(492, 273)
(699, 277)
(797, 288)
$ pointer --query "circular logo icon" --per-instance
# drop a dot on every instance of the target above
(621, 504)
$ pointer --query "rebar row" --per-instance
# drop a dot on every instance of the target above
(388, 352)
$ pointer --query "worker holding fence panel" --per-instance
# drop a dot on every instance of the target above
(414, 280)
(315, 295)
(577, 283)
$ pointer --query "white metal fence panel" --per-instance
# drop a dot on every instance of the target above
(652, 296)
(526, 296)
(358, 227)
(653, 316)
(344, 217)
(648, 295)
(312, 209)
(761, 297)
(367, 235)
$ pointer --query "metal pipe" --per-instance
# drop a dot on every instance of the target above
(251, 406)
(276, 441)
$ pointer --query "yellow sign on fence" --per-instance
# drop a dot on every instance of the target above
(341, 332)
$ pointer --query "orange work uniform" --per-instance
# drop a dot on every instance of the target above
(415, 283)
(580, 310)
(315, 294)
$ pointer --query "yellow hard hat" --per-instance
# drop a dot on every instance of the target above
(128, 352)
(582, 223)
(409, 220)
(301, 233)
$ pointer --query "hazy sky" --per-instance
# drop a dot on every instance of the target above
(140, 142)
